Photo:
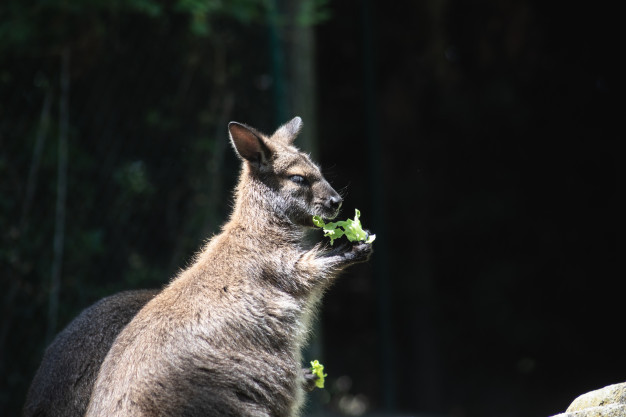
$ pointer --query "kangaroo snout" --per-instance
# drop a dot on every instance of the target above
(334, 202)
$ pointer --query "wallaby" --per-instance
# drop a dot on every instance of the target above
(224, 337)
(62, 385)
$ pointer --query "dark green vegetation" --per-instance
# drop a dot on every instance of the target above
(486, 130)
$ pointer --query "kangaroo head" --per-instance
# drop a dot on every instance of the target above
(285, 179)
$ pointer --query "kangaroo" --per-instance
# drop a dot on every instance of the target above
(223, 338)
(62, 385)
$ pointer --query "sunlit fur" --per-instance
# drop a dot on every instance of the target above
(224, 337)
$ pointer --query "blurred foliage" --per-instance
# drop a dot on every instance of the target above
(43, 24)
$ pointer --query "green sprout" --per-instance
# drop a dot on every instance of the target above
(318, 370)
(351, 229)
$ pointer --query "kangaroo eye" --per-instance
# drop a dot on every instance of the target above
(298, 179)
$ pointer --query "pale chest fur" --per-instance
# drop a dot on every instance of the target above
(239, 335)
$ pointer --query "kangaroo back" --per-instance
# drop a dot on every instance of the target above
(62, 385)
(224, 337)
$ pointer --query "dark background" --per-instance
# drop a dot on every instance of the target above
(478, 139)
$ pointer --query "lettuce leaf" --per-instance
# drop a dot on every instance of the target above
(350, 228)
(318, 370)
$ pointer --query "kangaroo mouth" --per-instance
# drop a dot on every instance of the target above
(328, 214)
(326, 218)
(330, 217)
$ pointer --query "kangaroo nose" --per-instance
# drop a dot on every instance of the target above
(335, 202)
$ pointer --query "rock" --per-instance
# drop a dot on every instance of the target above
(613, 394)
(605, 402)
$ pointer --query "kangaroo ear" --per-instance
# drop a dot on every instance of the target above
(248, 144)
(287, 133)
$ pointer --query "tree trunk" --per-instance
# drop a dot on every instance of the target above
(59, 226)
(40, 140)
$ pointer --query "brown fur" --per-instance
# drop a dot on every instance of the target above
(63, 383)
(224, 337)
